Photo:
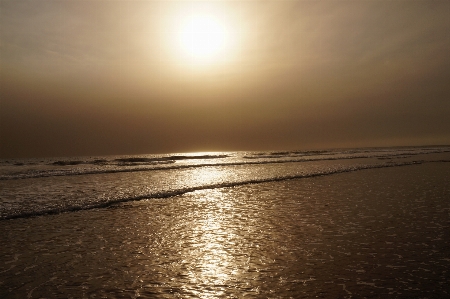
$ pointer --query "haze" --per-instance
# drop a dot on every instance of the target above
(106, 77)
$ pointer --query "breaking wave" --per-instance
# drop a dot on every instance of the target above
(176, 192)
(139, 164)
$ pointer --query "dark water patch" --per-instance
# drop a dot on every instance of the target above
(287, 154)
(321, 152)
(168, 158)
(194, 157)
(140, 160)
(67, 163)
(280, 153)
(147, 163)
(263, 156)
(100, 161)
(143, 161)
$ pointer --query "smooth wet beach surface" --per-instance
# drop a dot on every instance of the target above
(377, 233)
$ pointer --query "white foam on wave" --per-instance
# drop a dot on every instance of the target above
(58, 206)
(33, 168)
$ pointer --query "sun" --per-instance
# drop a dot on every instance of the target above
(203, 38)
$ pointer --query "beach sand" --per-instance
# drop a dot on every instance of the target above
(378, 233)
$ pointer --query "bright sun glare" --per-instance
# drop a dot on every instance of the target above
(204, 38)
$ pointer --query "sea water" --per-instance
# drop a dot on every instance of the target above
(359, 223)
(34, 187)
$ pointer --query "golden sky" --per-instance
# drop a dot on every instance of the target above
(98, 77)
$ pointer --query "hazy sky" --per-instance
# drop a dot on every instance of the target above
(111, 77)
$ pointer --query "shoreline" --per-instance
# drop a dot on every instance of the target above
(342, 167)
(377, 232)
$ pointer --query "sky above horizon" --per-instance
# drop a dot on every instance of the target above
(118, 77)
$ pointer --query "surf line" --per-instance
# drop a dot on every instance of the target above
(158, 166)
(178, 192)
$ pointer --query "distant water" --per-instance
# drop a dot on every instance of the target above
(34, 187)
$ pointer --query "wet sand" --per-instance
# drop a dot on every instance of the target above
(378, 233)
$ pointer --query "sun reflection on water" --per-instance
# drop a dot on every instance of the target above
(212, 238)
(213, 262)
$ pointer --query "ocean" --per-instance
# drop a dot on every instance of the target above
(344, 223)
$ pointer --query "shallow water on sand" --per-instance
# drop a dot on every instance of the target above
(377, 233)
